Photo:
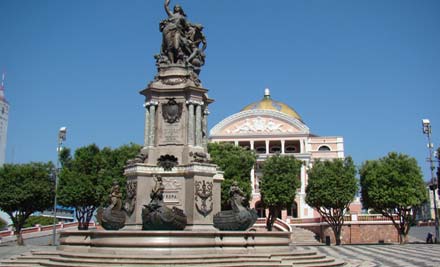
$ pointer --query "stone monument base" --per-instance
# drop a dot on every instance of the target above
(173, 242)
(194, 188)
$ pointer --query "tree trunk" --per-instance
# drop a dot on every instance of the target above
(83, 225)
(338, 238)
(337, 232)
(82, 222)
(269, 222)
(19, 235)
(84, 215)
(403, 238)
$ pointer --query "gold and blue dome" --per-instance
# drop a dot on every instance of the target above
(267, 103)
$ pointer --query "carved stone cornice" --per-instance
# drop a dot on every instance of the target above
(151, 103)
(195, 102)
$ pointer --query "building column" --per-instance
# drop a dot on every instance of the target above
(267, 146)
(283, 145)
(190, 123)
(253, 179)
(236, 142)
(301, 146)
(303, 179)
(199, 124)
(152, 122)
(252, 144)
(147, 125)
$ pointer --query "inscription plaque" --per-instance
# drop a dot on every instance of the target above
(171, 134)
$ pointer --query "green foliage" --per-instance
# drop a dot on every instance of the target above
(393, 185)
(86, 178)
(114, 162)
(281, 180)
(331, 188)
(236, 163)
(41, 220)
(392, 182)
(25, 189)
(332, 184)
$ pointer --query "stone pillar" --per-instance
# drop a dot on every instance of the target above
(152, 123)
(283, 146)
(205, 128)
(147, 125)
(190, 123)
(199, 124)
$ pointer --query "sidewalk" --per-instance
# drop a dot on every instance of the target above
(32, 241)
(10, 250)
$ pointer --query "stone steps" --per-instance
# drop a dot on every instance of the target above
(303, 237)
(68, 259)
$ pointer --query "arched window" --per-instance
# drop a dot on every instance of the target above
(261, 150)
(261, 211)
(292, 211)
(324, 148)
(290, 149)
(275, 149)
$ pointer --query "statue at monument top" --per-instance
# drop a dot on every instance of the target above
(183, 42)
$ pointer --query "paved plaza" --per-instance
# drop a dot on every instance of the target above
(386, 255)
(418, 255)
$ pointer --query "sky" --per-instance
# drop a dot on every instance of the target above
(368, 71)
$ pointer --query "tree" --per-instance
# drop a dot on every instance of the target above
(86, 178)
(331, 188)
(25, 189)
(394, 186)
(114, 161)
(236, 163)
(41, 220)
(279, 184)
(80, 184)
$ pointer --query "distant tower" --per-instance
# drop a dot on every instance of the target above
(4, 113)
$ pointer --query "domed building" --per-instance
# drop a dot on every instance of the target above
(269, 127)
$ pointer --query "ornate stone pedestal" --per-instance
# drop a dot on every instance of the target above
(194, 188)
(175, 148)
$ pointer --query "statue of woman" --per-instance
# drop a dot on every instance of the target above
(237, 197)
(156, 194)
(174, 42)
(115, 197)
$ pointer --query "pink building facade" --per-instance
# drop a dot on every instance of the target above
(269, 127)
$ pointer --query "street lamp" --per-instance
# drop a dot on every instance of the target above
(427, 130)
(61, 137)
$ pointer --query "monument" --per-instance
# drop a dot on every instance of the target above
(175, 137)
(173, 190)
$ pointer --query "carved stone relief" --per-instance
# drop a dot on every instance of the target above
(130, 201)
(167, 162)
(171, 111)
(203, 192)
(260, 125)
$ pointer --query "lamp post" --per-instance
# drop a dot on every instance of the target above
(427, 130)
(61, 137)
